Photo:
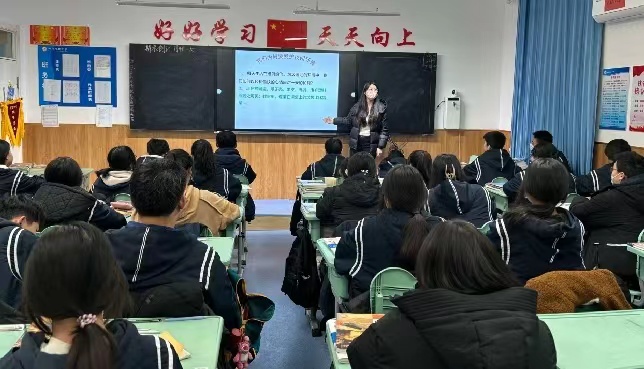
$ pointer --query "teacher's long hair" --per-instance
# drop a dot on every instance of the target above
(363, 107)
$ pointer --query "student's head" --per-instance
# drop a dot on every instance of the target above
(158, 147)
(182, 158)
(361, 162)
(445, 166)
(64, 170)
(627, 165)
(615, 147)
(422, 160)
(539, 137)
(493, 140)
(6, 157)
(544, 151)
(72, 273)
(333, 146)
(23, 211)
(157, 188)
(204, 157)
(370, 91)
(458, 257)
(119, 158)
(226, 140)
(403, 189)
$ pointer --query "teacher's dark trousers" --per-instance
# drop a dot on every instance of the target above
(364, 144)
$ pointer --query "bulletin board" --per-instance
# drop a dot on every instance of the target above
(76, 76)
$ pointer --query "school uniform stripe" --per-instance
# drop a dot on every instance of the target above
(9, 244)
(489, 204)
(16, 183)
(169, 349)
(358, 239)
(498, 231)
(226, 184)
(593, 175)
(522, 174)
(245, 168)
(313, 171)
(212, 259)
(458, 202)
(479, 173)
(158, 344)
(581, 251)
(91, 213)
(16, 266)
(138, 264)
(203, 263)
(507, 239)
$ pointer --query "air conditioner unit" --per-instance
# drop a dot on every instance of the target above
(611, 11)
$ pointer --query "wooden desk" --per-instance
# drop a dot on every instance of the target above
(223, 245)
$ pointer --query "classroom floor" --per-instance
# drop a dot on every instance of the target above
(286, 339)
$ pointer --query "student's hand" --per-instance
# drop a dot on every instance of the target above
(378, 153)
(328, 120)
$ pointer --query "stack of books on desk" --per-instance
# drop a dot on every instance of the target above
(347, 328)
(312, 187)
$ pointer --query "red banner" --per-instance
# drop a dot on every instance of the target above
(614, 5)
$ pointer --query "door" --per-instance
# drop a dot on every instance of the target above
(10, 69)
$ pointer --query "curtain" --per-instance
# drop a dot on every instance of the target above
(557, 76)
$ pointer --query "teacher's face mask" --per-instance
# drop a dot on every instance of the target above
(371, 93)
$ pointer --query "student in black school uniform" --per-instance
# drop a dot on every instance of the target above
(357, 197)
(541, 137)
(375, 244)
(73, 278)
(63, 200)
(422, 160)
(20, 219)
(534, 236)
(468, 311)
(115, 179)
(12, 181)
(540, 151)
(209, 176)
(228, 157)
(450, 197)
(395, 157)
(599, 178)
(494, 162)
(157, 148)
(615, 215)
(329, 165)
(157, 257)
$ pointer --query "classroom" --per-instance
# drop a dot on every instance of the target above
(307, 183)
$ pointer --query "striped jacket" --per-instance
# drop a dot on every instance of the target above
(511, 187)
(372, 246)
(222, 182)
(14, 182)
(536, 246)
(489, 165)
(15, 247)
(153, 256)
(594, 181)
(464, 201)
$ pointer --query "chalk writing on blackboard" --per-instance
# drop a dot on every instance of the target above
(165, 49)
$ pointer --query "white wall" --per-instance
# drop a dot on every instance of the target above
(622, 48)
(475, 41)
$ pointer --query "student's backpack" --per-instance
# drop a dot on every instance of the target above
(301, 281)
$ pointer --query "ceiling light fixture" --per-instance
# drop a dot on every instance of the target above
(157, 4)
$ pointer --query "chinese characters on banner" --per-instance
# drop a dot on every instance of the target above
(284, 34)
(614, 101)
(637, 103)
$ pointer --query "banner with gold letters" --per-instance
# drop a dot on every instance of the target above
(13, 121)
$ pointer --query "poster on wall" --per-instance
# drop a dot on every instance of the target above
(637, 100)
(75, 35)
(77, 76)
(44, 35)
(614, 103)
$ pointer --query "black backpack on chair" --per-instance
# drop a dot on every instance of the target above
(301, 281)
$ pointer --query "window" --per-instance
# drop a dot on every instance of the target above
(6, 44)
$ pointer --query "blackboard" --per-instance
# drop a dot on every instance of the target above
(173, 87)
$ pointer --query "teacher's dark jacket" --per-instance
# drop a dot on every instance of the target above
(379, 129)
(442, 329)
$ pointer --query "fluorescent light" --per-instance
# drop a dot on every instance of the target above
(201, 5)
(348, 12)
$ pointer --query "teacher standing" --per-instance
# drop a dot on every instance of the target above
(368, 121)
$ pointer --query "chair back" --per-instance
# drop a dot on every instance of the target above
(472, 158)
(570, 197)
(499, 181)
(123, 197)
(641, 237)
(386, 285)
(242, 178)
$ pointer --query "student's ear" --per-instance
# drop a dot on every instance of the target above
(21, 220)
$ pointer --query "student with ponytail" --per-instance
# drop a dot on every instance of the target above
(73, 279)
(377, 241)
(535, 236)
(115, 179)
(209, 176)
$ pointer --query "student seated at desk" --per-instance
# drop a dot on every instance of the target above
(545, 137)
(73, 278)
(535, 236)
(540, 151)
(115, 180)
(228, 157)
(375, 244)
(209, 176)
(157, 148)
(63, 200)
(600, 178)
(203, 207)
(615, 215)
(154, 255)
(468, 311)
(450, 197)
(357, 197)
(13, 181)
(329, 165)
(422, 160)
(20, 219)
(395, 157)
(494, 162)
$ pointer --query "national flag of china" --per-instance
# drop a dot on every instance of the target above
(286, 34)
